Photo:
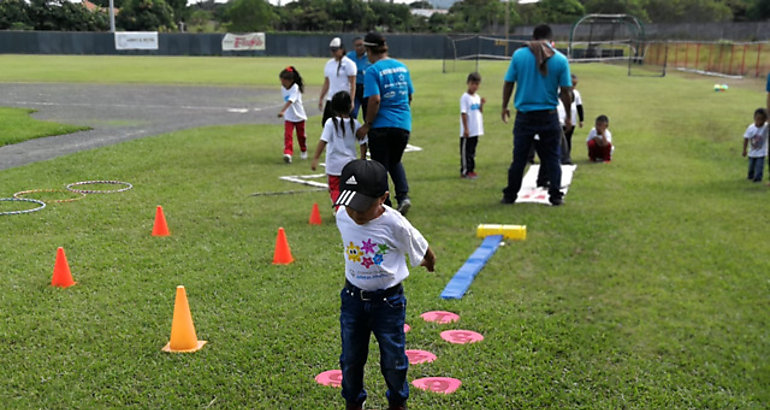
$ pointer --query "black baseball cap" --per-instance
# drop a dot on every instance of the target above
(362, 182)
(374, 39)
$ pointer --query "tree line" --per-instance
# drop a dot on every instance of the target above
(467, 16)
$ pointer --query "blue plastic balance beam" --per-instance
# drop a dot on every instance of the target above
(461, 281)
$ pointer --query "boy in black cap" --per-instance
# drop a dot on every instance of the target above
(377, 240)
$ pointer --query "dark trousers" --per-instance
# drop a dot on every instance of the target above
(359, 102)
(468, 154)
(387, 147)
(526, 126)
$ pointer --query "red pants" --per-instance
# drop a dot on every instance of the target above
(598, 153)
(288, 130)
(334, 187)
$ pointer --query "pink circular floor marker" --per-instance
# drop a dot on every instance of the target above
(461, 336)
(444, 385)
(407, 328)
(440, 316)
(420, 356)
(331, 378)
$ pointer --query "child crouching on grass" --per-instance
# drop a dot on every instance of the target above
(756, 135)
(377, 240)
(599, 141)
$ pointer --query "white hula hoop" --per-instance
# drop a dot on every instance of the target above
(97, 191)
(26, 211)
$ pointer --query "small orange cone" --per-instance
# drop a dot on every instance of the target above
(183, 337)
(160, 228)
(282, 255)
(315, 215)
(62, 277)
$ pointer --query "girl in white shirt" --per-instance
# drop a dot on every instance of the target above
(293, 112)
(339, 134)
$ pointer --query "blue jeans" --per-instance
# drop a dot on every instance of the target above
(546, 124)
(756, 168)
(387, 147)
(385, 318)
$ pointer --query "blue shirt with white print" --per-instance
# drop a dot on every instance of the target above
(390, 79)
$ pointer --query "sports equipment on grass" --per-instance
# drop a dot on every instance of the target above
(612, 38)
(98, 191)
(282, 254)
(20, 195)
(530, 192)
(62, 277)
(515, 232)
(315, 215)
(183, 337)
(160, 228)
(444, 385)
(461, 337)
(464, 53)
(462, 280)
(25, 211)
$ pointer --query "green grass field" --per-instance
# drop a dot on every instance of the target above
(648, 289)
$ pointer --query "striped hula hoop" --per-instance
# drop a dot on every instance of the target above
(20, 195)
(97, 191)
(26, 211)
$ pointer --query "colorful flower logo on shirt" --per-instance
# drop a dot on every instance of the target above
(354, 252)
(362, 253)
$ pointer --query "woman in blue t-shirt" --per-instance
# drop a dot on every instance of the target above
(388, 90)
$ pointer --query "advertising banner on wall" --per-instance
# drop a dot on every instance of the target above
(243, 42)
(136, 40)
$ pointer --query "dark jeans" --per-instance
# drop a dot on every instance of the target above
(387, 147)
(359, 102)
(468, 154)
(385, 318)
(546, 125)
(756, 168)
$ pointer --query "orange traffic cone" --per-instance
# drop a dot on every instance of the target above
(160, 228)
(315, 215)
(282, 255)
(183, 337)
(62, 277)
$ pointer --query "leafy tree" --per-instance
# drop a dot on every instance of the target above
(474, 16)
(62, 15)
(250, 15)
(632, 7)
(146, 15)
(14, 15)
(759, 10)
(677, 11)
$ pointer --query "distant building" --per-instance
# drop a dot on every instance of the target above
(427, 12)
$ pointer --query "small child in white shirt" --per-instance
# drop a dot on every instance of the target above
(756, 135)
(599, 141)
(471, 126)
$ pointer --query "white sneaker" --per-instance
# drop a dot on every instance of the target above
(303, 155)
(404, 205)
(287, 158)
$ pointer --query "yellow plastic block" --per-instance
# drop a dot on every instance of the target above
(514, 232)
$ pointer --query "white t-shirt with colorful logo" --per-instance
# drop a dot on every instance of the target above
(470, 105)
(375, 252)
(296, 111)
(757, 137)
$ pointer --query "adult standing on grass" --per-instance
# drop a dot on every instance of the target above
(388, 90)
(537, 71)
(339, 75)
(358, 55)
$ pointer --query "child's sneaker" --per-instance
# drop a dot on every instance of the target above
(303, 155)
(472, 175)
(287, 158)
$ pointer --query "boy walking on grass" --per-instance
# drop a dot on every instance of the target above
(377, 240)
(756, 135)
(471, 126)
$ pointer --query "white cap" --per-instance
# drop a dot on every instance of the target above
(336, 42)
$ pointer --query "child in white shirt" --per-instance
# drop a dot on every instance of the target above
(599, 141)
(756, 134)
(339, 135)
(293, 112)
(471, 126)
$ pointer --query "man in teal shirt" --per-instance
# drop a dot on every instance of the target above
(538, 72)
(359, 56)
